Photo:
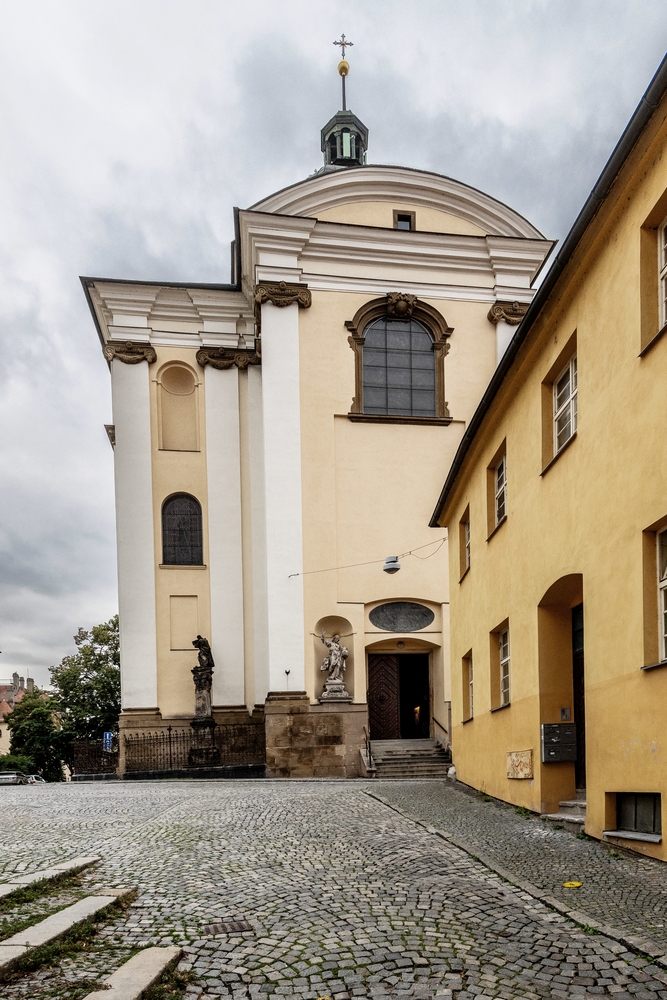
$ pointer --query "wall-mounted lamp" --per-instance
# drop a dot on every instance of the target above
(391, 564)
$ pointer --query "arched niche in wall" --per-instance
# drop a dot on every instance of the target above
(177, 388)
(332, 625)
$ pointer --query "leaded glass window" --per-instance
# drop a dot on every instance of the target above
(182, 531)
(398, 368)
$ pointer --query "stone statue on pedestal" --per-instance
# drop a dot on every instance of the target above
(334, 688)
(203, 678)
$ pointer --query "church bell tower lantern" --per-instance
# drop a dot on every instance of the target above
(344, 137)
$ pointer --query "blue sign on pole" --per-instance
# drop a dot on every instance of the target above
(107, 741)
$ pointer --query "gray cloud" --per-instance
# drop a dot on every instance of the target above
(130, 129)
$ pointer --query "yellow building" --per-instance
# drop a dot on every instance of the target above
(277, 437)
(556, 509)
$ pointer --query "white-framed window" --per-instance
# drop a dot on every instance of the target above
(500, 488)
(470, 689)
(504, 648)
(565, 404)
(662, 592)
(466, 543)
(662, 270)
(468, 704)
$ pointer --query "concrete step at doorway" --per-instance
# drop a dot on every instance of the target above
(571, 813)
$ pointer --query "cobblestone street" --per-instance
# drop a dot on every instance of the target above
(344, 896)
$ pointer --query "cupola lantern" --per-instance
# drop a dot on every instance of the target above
(344, 137)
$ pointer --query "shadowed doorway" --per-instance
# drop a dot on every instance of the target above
(399, 696)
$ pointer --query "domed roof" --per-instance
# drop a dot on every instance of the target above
(419, 188)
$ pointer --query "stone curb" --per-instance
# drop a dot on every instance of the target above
(631, 942)
(137, 974)
(53, 927)
(46, 874)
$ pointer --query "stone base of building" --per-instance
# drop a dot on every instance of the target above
(312, 741)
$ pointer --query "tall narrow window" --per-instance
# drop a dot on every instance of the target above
(399, 368)
(504, 656)
(662, 595)
(464, 542)
(468, 706)
(662, 265)
(565, 405)
(182, 531)
(501, 490)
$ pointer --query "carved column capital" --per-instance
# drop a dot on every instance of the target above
(509, 312)
(223, 358)
(281, 294)
(129, 353)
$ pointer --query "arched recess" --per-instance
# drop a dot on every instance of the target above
(561, 681)
(398, 309)
(178, 423)
(332, 625)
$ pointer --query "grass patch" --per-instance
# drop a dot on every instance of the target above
(172, 985)
(587, 929)
(584, 836)
(45, 887)
(522, 811)
(79, 938)
(486, 798)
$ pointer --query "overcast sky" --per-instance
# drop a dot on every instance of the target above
(130, 128)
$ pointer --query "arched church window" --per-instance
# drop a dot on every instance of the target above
(182, 531)
(399, 368)
(400, 344)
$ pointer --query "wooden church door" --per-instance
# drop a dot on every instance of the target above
(384, 716)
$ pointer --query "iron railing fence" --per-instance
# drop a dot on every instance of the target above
(88, 757)
(172, 749)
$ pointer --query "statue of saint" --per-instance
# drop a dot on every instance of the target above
(203, 677)
(335, 661)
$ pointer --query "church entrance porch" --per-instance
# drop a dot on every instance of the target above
(399, 702)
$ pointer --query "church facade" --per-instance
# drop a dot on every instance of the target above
(278, 437)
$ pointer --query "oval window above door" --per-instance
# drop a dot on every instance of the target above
(401, 616)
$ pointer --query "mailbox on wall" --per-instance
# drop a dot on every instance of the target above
(559, 742)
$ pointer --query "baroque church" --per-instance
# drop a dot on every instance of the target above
(279, 443)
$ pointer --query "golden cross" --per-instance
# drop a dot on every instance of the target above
(344, 44)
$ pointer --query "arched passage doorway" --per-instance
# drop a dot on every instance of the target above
(400, 694)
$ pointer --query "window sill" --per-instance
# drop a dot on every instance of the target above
(465, 573)
(557, 456)
(469, 719)
(654, 666)
(182, 566)
(391, 418)
(499, 525)
(649, 838)
(501, 707)
(652, 341)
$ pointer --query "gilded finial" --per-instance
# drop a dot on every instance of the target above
(343, 65)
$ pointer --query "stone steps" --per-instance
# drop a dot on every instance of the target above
(410, 759)
(571, 814)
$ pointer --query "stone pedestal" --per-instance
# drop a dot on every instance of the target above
(334, 691)
(312, 741)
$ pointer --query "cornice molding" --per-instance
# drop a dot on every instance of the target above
(508, 312)
(282, 294)
(129, 353)
(223, 358)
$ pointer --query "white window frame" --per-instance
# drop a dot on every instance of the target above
(661, 553)
(662, 272)
(468, 679)
(567, 408)
(504, 655)
(500, 490)
(466, 543)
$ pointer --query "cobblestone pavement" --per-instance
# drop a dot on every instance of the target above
(619, 889)
(344, 897)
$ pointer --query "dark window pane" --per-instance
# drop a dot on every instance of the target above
(182, 531)
(645, 813)
(398, 354)
(626, 812)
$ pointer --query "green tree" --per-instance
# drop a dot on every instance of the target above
(34, 734)
(87, 686)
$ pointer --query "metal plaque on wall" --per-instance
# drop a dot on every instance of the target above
(401, 616)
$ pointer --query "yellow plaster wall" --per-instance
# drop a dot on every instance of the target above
(585, 515)
(369, 488)
(381, 213)
(178, 472)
